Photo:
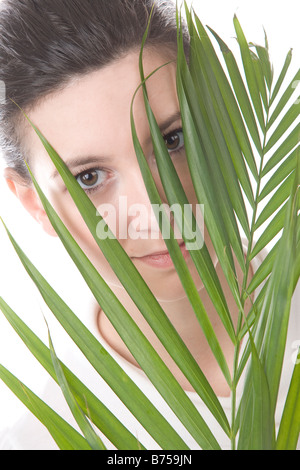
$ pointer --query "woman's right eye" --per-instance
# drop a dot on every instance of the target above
(91, 179)
(174, 140)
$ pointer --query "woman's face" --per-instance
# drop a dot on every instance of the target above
(88, 124)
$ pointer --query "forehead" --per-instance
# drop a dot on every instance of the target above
(88, 113)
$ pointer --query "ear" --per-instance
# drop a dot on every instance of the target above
(29, 198)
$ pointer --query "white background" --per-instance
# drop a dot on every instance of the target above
(281, 21)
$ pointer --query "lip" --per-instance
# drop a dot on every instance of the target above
(162, 259)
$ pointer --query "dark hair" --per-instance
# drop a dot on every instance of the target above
(45, 43)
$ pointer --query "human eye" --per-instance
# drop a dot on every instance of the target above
(91, 179)
(174, 140)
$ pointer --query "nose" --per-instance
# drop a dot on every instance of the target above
(136, 207)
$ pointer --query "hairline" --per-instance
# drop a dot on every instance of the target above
(20, 120)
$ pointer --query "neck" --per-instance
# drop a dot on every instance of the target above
(183, 318)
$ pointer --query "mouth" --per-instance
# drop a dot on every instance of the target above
(161, 259)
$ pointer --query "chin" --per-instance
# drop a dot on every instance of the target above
(167, 287)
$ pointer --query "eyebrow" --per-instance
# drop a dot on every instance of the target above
(164, 126)
(80, 161)
(87, 160)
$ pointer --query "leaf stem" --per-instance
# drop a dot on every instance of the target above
(244, 294)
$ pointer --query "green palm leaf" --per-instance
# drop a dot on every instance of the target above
(289, 430)
(89, 403)
(89, 433)
(270, 340)
(109, 303)
(100, 359)
(63, 434)
(233, 139)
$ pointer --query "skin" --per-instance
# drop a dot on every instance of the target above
(91, 118)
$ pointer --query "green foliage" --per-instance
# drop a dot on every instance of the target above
(235, 135)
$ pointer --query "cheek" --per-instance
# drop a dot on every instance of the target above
(73, 221)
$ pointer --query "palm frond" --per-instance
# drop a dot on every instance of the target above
(235, 136)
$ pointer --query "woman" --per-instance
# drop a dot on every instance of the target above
(73, 67)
